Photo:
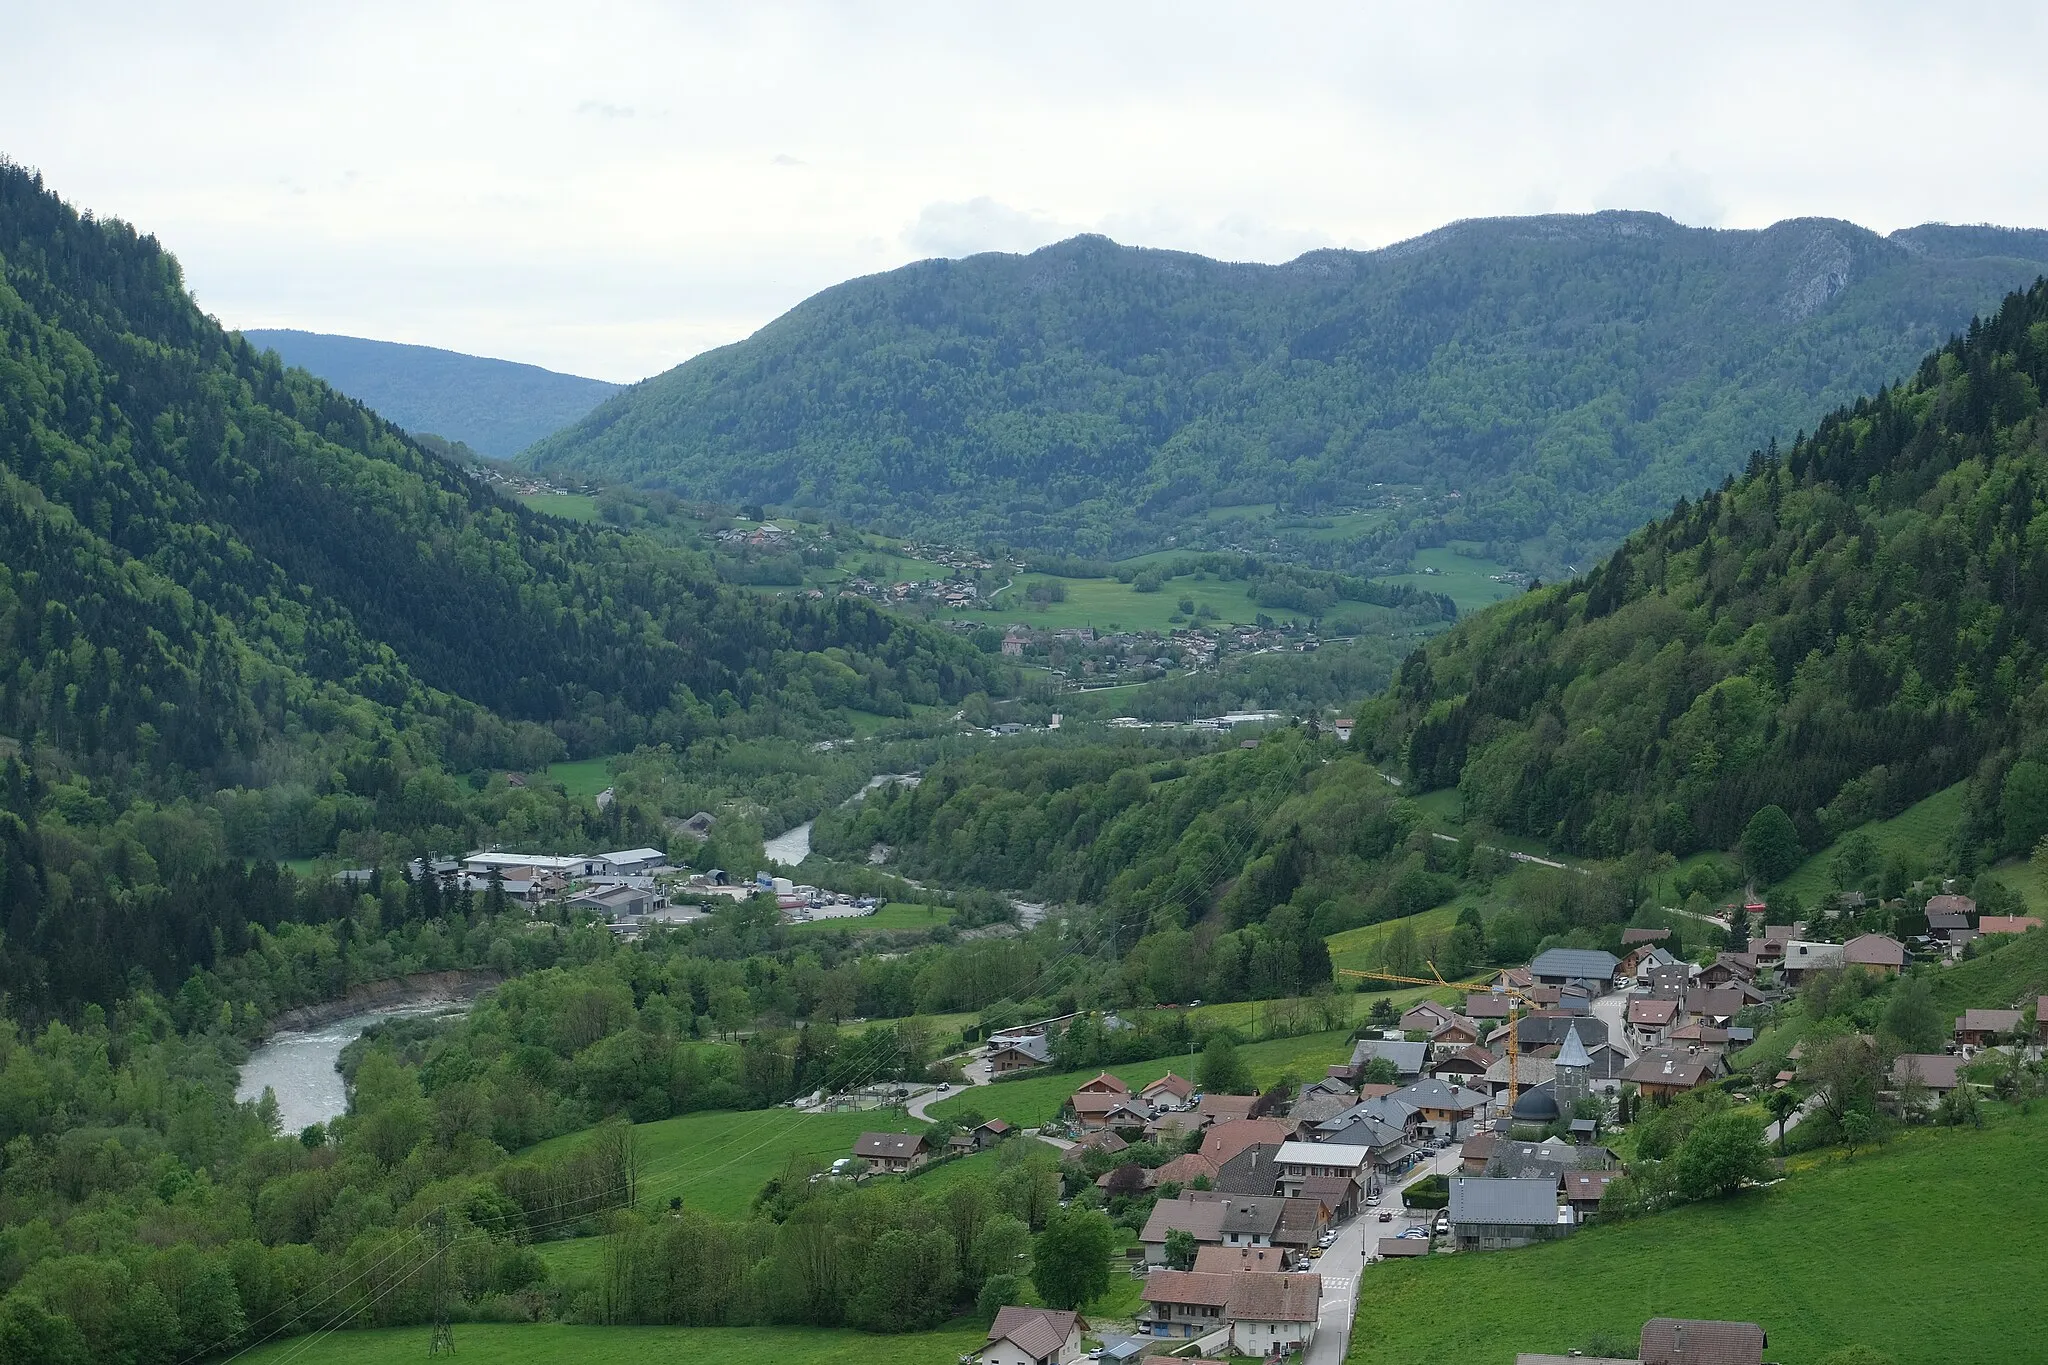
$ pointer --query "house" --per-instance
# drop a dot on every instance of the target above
(1982, 1028)
(1226, 1108)
(1298, 1161)
(1033, 1336)
(1650, 1021)
(1584, 1190)
(1302, 1223)
(1631, 937)
(1552, 1159)
(1876, 953)
(1251, 1222)
(1425, 1017)
(1168, 1092)
(1337, 1194)
(1671, 981)
(1183, 1303)
(1270, 1314)
(1186, 1169)
(1466, 1062)
(1562, 966)
(1547, 1028)
(1701, 1037)
(1454, 1033)
(1105, 1141)
(1728, 969)
(1682, 1341)
(895, 1153)
(1528, 1072)
(1663, 1074)
(1717, 1005)
(1201, 1219)
(1770, 945)
(1093, 1110)
(1408, 1059)
(1487, 1006)
(1129, 1178)
(1104, 1084)
(2006, 924)
(1950, 912)
(1251, 1172)
(1221, 1260)
(1802, 957)
(1519, 978)
(1388, 1146)
(1316, 1109)
(1938, 1072)
(1442, 1109)
(635, 862)
(1019, 1053)
(1489, 1214)
(1226, 1140)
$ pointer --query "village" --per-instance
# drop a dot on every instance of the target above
(1451, 1129)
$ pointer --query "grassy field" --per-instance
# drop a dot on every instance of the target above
(1920, 830)
(718, 1161)
(568, 506)
(1841, 1252)
(1031, 1102)
(552, 1344)
(584, 778)
(892, 915)
(1465, 581)
(1358, 949)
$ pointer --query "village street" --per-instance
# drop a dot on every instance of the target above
(1346, 1261)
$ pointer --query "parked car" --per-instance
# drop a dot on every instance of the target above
(1443, 1220)
(1417, 1233)
(1314, 1252)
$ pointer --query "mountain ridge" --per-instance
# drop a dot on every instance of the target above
(1565, 376)
(496, 407)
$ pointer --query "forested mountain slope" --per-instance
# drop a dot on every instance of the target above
(218, 571)
(1858, 621)
(1566, 377)
(496, 407)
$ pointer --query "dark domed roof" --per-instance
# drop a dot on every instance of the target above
(1537, 1104)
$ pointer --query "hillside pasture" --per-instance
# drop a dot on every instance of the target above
(555, 1344)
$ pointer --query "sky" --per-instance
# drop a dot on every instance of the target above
(608, 189)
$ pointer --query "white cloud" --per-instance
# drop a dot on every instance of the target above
(504, 202)
(980, 224)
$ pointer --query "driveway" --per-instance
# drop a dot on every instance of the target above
(977, 1072)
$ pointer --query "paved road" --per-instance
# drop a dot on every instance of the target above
(1611, 1009)
(1347, 1260)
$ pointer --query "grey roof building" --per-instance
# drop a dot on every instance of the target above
(1561, 965)
(1408, 1058)
(1490, 1214)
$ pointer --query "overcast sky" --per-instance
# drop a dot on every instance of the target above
(609, 189)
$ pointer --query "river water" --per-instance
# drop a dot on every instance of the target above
(790, 847)
(299, 1065)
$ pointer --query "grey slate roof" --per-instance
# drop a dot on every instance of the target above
(1408, 1058)
(1483, 1199)
(1431, 1093)
(1587, 964)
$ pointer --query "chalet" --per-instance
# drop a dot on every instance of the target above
(2006, 924)
(1168, 1092)
(1982, 1028)
(1252, 1172)
(1487, 1006)
(1222, 1260)
(1186, 1169)
(1519, 978)
(1338, 1195)
(1271, 1315)
(1770, 945)
(1183, 1303)
(1303, 1222)
(1875, 953)
(1033, 1336)
(1443, 1109)
(1680, 1341)
(1227, 1108)
(1717, 1005)
(1251, 1221)
(1104, 1084)
(1728, 969)
(1562, 966)
(1104, 1141)
(1631, 937)
(1650, 1021)
(1950, 912)
(1701, 1037)
(1316, 1109)
(1298, 1161)
(1584, 1190)
(1467, 1063)
(1670, 982)
(1226, 1140)
(1388, 1146)
(1019, 1053)
(1664, 1074)
(1802, 957)
(1129, 1178)
(1488, 1214)
(1408, 1058)
(1201, 1219)
(895, 1153)
(1936, 1072)
(1425, 1017)
(1094, 1110)
(1453, 1034)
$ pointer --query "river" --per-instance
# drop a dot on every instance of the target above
(299, 1065)
(790, 847)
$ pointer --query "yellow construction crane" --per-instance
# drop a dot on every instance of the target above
(1496, 987)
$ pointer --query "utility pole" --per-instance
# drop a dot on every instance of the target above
(442, 1343)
